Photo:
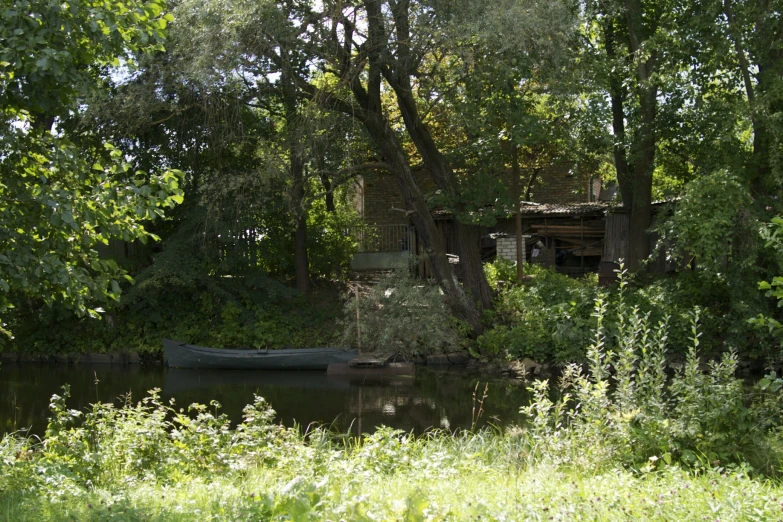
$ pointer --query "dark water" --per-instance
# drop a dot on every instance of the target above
(431, 399)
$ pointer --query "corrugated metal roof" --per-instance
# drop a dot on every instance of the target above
(529, 208)
(563, 209)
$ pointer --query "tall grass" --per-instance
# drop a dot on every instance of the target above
(628, 408)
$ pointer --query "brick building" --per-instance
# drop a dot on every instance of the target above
(378, 197)
(391, 237)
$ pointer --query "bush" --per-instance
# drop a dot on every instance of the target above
(180, 297)
(403, 314)
(637, 416)
(500, 270)
(772, 322)
(548, 319)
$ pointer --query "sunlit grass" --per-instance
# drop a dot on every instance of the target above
(465, 488)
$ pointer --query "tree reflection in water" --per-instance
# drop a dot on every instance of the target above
(428, 400)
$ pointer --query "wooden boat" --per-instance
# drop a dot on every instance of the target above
(182, 355)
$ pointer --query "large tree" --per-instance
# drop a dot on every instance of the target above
(322, 54)
(58, 200)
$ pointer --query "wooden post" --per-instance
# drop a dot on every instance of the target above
(360, 411)
(582, 244)
(358, 326)
(517, 205)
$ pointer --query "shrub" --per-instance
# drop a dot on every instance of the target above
(548, 319)
(400, 313)
(637, 416)
(772, 322)
(500, 270)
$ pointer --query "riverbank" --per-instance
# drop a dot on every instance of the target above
(130, 465)
(463, 490)
(639, 445)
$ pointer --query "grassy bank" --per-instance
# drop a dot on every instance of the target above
(135, 464)
(443, 481)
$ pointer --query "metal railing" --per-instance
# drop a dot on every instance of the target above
(383, 238)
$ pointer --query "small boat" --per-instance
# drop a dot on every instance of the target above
(182, 355)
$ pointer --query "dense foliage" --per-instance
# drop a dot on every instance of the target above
(64, 193)
(626, 408)
(400, 314)
(184, 295)
(550, 317)
(773, 322)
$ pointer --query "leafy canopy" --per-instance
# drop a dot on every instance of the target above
(58, 200)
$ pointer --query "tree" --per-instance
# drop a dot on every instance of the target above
(631, 35)
(755, 31)
(59, 200)
(370, 61)
(285, 43)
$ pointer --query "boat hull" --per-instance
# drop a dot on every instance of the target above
(181, 355)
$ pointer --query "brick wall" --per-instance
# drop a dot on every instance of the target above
(380, 196)
(381, 201)
(507, 248)
(559, 184)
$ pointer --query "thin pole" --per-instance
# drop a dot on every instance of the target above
(517, 204)
(518, 225)
(582, 243)
(360, 411)
(358, 326)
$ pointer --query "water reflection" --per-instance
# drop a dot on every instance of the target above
(430, 399)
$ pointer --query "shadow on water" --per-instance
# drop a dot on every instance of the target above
(431, 399)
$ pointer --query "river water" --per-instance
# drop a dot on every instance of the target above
(430, 399)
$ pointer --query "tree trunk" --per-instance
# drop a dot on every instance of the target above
(300, 255)
(645, 138)
(397, 73)
(644, 164)
(768, 36)
(761, 142)
(301, 261)
(329, 193)
(459, 303)
(617, 95)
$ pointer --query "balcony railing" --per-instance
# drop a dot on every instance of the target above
(383, 238)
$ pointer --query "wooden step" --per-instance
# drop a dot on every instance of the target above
(371, 360)
(343, 369)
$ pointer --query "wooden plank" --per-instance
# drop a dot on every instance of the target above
(592, 251)
(391, 369)
(575, 228)
(371, 360)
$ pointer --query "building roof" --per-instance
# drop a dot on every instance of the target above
(532, 209)
(594, 208)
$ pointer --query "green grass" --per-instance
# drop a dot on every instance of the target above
(469, 477)
(140, 463)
